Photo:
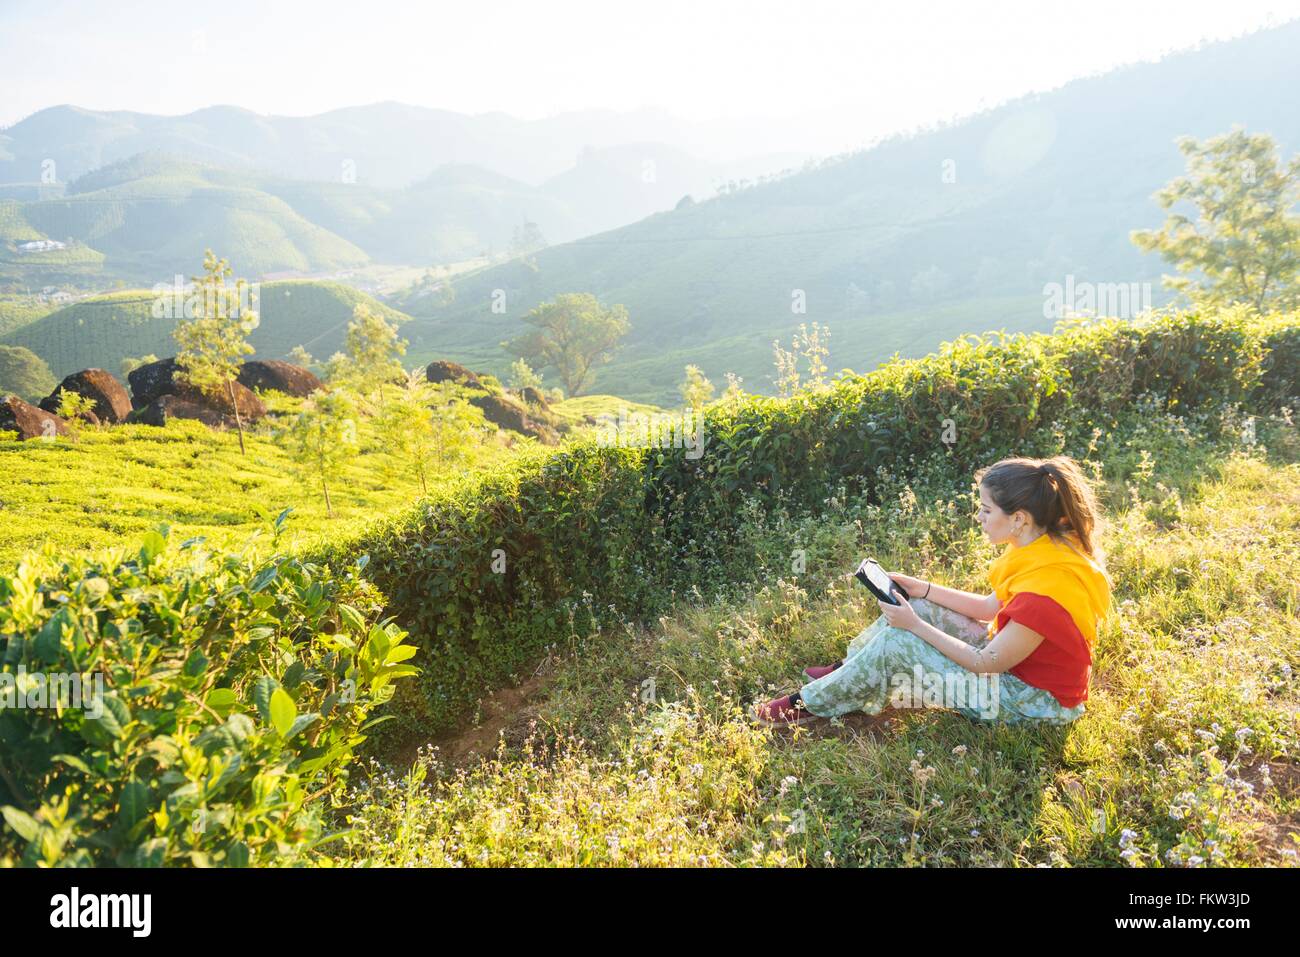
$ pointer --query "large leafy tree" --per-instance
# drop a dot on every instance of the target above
(573, 334)
(212, 343)
(1242, 242)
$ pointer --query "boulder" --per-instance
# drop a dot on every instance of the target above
(267, 374)
(441, 370)
(509, 414)
(151, 382)
(534, 397)
(167, 407)
(112, 404)
(29, 421)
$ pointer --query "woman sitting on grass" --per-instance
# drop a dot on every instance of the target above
(1049, 594)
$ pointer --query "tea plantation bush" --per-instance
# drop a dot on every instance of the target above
(492, 575)
(222, 699)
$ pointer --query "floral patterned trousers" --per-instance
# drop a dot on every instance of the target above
(887, 666)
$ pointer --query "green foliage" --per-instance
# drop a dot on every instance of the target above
(630, 528)
(1243, 242)
(696, 390)
(301, 357)
(211, 345)
(18, 311)
(372, 355)
(813, 347)
(427, 428)
(220, 700)
(24, 374)
(322, 438)
(73, 407)
(572, 334)
(1279, 382)
(116, 484)
(636, 749)
(522, 376)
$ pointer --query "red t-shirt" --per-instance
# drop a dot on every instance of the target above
(1062, 662)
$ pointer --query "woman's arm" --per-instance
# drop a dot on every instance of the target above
(1010, 646)
(979, 607)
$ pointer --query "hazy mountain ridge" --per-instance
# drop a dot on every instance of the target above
(386, 145)
(921, 238)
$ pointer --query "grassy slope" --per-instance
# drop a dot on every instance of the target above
(1203, 543)
(19, 311)
(112, 485)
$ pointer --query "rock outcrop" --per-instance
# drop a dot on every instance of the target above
(29, 421)
(112, 403)
(157, 379)
(534, 397)
(509, 414)
(273, 374)
(441, 370)
(167, 407)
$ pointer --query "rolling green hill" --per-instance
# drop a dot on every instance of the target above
(152, 216)
(921, 238)
(17, 227)
(102, 331)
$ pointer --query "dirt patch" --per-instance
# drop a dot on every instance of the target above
(504, 710)
(1279, 831)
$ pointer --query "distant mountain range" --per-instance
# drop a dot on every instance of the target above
(384, 145)
(134, 196)
(898, 247)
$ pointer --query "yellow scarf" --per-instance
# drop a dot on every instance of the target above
(1057, 570)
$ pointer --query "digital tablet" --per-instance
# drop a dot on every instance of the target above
(878, 583)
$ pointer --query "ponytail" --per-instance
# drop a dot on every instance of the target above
(1053, 491)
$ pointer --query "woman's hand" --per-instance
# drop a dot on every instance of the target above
(914, 587)
(902, 615)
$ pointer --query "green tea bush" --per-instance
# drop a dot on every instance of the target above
(557, 546)
(220, 700)
(1279, 381)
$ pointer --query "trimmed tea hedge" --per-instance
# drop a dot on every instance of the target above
(216, 704)
(590, 533)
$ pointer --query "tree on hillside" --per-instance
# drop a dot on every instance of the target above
(23, 373)
(523, 377)
(322, 438)
(299, 356)
(527, 239)
(573, 334)
(427, 427)
(372, 354)
(211, 344)
(696, 390)
(1243, 242)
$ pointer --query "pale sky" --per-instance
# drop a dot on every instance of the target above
(803, 64)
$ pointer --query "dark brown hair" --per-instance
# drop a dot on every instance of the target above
(1053, 491)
